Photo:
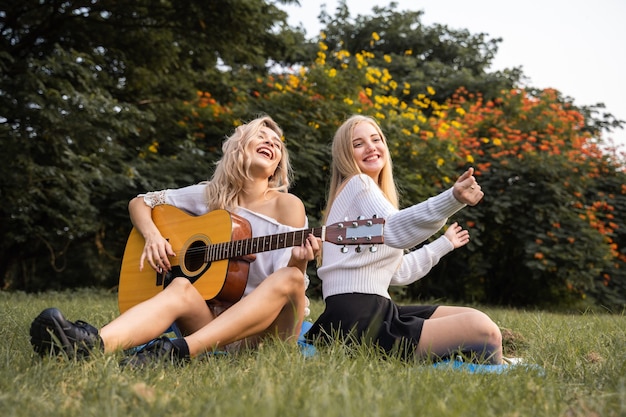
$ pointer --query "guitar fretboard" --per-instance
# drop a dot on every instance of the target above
(243, 247)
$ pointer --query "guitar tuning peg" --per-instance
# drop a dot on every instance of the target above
(344, 249)
(375, 216)
(358, 249)
(373, 248)
(360, 217)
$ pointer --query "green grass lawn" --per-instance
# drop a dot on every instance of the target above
(583, 357)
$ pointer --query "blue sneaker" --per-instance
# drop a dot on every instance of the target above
(476, 368)
(307, 349)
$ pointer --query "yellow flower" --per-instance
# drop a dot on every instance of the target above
(497, 142)
(293, 81)
(332, 73)
(387, 58)
(348, 101)
(430, 90)
(460, 111)
(440, 162)
(360, 61)
(343, 54)
(470, 159)
(154, 148)
(321, 58)
(408, 52)
(375, 36)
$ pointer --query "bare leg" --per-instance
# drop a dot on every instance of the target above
(276, 305)
(452, 328)
(180, 301)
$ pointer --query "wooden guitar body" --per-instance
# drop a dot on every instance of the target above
(224, 279)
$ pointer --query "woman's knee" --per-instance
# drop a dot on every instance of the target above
(487, 328)
(291, 281)
(181, 289)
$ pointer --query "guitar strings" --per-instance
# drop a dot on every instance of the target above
(228, 249)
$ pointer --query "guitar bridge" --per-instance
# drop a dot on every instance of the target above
(160, 278)
(165, 278)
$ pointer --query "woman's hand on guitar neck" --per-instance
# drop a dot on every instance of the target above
(301, 255)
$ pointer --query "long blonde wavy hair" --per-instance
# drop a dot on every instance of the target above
(233, 169)
(344, 165)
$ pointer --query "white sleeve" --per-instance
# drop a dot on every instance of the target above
(415, 265)
(413, 225)
(404, 228)
(191, 199)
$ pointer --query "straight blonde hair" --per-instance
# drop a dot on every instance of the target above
(344, 165)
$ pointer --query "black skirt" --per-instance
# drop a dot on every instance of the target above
(371, 319)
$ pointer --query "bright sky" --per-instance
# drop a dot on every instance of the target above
(575, 46)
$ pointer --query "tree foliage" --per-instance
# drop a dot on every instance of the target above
(101, 101)
(88, 91)
(546, 231)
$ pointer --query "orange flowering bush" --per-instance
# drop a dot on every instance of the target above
(547, 226)
(546, 231)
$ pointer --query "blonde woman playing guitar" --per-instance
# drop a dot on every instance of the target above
(250, 181)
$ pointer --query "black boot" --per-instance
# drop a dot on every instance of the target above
(51, 333)
(161, 350)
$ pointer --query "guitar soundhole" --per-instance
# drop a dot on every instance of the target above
(194, 256)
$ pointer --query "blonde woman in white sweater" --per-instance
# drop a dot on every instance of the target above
(355, 285)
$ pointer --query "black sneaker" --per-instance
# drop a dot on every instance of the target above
(160, 350)
(51, 333)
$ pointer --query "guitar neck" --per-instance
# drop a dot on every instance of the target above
(243, 247)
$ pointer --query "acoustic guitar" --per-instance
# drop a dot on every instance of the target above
(214, 251)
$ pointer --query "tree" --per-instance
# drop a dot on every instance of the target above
(91, 96)
(420, 55)
(101, 101)
(545, 234)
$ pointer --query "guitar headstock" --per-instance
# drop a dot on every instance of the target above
(356, 232)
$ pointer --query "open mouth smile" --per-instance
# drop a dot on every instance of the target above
(266, 152)
(371, 158)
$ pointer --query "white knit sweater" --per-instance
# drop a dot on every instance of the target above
(373, 272)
